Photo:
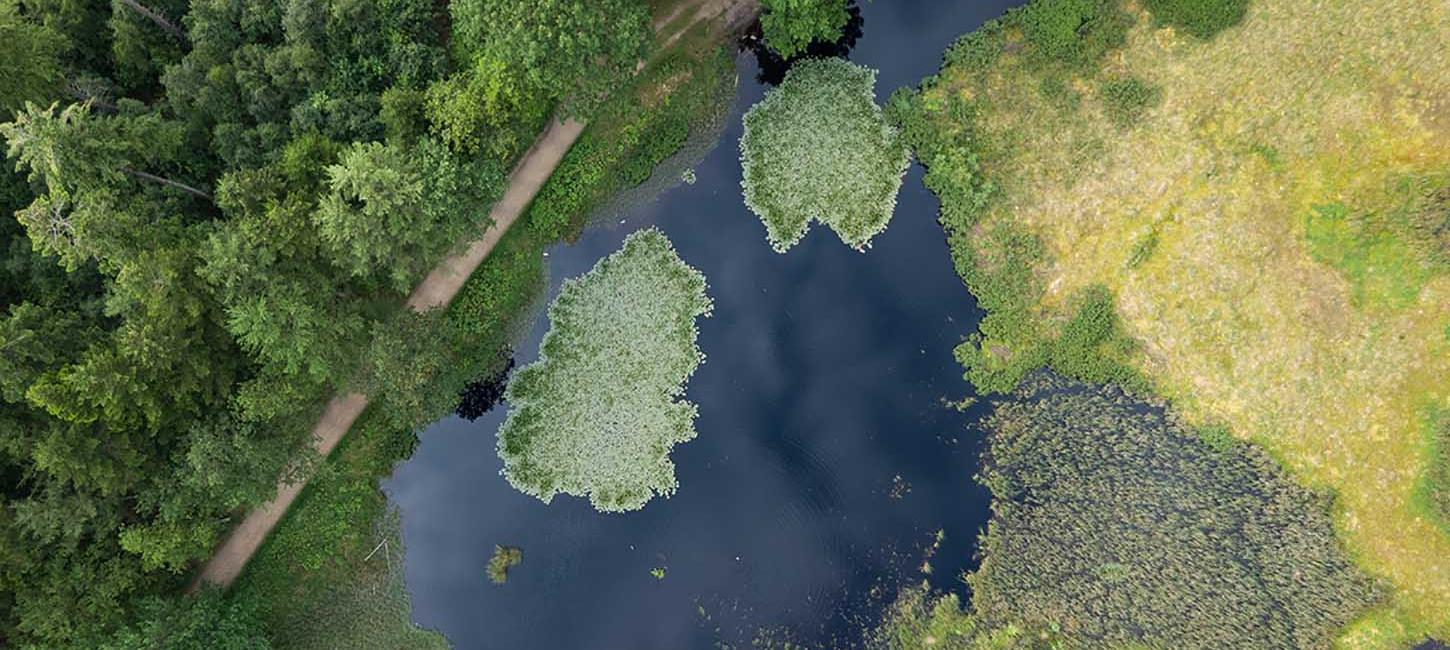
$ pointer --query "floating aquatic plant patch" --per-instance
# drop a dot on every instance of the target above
(819, 148)
(597, 415)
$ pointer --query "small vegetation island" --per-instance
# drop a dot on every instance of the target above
(503, 559)
(597, 415)
(818, 148)
(249, 249)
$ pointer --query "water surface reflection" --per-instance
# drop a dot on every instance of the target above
(825, 461)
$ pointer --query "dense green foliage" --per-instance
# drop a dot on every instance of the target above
(1126, 99)
(574, 51)
(260, 74)
(598, 414)
(218, 205)
(30, 67)
(1108, 517)
(790, 25)
(206, 621)
(1202, 18)
(1071, 32)
(818, 148)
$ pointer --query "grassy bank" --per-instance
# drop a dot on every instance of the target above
(322, 580)
(1265, 211)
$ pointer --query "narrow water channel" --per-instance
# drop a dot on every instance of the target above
(826, 460)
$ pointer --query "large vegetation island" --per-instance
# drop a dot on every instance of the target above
(1241, 207)
(220, 211)
(598, 414)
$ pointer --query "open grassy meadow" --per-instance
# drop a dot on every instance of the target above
(1270, 210)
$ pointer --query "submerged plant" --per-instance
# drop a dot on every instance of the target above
(599, 412)
(819, 148)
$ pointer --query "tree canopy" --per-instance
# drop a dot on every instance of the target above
(790, 25)
(219, 208)
(818, 148)
(572, 51)
(597, 415)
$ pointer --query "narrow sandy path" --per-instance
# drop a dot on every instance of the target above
(436, 290)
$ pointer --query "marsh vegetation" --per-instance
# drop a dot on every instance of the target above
(1108, 515)
(1182, 168)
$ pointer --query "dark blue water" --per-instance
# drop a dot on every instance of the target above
(826, 460)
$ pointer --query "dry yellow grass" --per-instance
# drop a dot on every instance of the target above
(1306, 103)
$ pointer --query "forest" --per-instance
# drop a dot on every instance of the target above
(220, 208)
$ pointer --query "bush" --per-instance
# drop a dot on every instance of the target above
(599, 412)
(1201, 18)
(819, 148)
(790, 25)
(1116, 526)
(1434, 489)
(1092, 346)
(1074, 32)
(206, 621)
(1125, 100)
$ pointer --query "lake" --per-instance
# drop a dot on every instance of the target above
(827, 459)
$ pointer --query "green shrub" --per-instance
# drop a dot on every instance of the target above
(1434, 489)
(1201, 18)
(599, 412)
(1114, 525)
(1073, 32)
(1143, 249)
(1092, 346)
(1125, 100)
(790, 25)
(819, 148)
(206, 621)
